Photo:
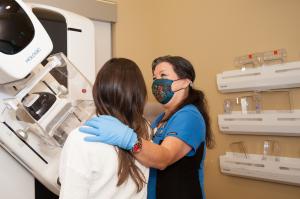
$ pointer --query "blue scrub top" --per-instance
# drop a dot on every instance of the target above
(188, 125)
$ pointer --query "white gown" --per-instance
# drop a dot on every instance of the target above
(89, 171)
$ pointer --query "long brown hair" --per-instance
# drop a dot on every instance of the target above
(184, 69)
(120, 91)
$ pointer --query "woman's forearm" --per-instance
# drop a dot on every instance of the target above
(163, 155)
(153, 155)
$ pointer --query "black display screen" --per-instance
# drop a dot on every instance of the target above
(16, 29)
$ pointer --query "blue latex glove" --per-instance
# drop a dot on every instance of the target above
(109, 130)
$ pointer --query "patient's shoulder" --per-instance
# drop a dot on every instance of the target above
(76, 142)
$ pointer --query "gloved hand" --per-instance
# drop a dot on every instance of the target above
(109, 130)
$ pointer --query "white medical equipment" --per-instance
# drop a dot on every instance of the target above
(40, 103)
(270, 122)
(260, 71)
(285, 75)
(24, 41)
(275, 169)
(252, 119)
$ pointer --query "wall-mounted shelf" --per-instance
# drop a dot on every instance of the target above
(285, 75)
(282, 123)
(276, 169)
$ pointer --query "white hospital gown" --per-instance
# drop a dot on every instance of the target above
(89, 171)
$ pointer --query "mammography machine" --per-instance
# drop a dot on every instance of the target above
(42, 98)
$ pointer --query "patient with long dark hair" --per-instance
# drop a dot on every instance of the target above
(93, 170)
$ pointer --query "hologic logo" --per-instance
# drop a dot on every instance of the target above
(33, 55)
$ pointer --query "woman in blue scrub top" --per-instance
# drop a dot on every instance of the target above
(181, 133)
